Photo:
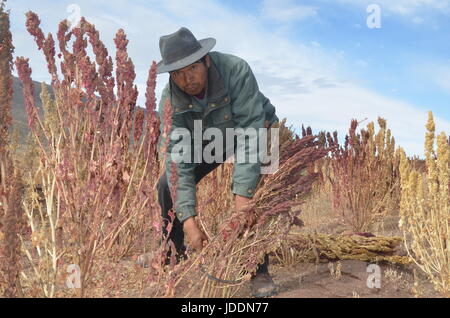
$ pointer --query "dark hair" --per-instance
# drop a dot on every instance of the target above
(202, 60)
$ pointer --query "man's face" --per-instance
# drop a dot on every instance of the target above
(193, 78)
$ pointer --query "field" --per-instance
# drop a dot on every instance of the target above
(78, 203)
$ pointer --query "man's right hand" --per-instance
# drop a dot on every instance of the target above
(196, 237)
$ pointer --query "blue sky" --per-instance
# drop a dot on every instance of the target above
(316, 60)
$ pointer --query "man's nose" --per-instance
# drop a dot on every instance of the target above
(189, 77)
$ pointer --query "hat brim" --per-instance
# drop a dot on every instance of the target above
(206, 46)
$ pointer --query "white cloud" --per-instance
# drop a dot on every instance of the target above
(418, 20)
(286, 10)
(437, 72)
(410, 12)
(361, 63)
(403, 7)
(305, 82)
(332, 109)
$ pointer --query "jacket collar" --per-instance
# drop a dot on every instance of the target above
(216, 90)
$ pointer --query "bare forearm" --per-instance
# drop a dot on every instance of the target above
(240, 202)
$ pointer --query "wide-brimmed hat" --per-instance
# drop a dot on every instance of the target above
(181, 49)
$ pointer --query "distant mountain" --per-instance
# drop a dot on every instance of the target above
(19, 114)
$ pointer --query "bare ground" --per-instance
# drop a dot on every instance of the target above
(322, 281)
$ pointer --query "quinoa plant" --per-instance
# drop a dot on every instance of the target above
(10, 178)
(98, 158)
(425, 209)
(364, 176)
(239, 240)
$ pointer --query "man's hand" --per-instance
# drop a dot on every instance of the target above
(197, 239)
(247, 219)
(240, 203)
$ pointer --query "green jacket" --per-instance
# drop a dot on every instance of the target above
(234, 101)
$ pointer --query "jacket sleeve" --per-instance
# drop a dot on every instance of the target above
(248, 112)
(185, 185)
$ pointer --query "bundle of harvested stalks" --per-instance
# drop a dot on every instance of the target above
(324, 247)
(246, 236)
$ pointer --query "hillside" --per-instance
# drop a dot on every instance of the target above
(19, 114)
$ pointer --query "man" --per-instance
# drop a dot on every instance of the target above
(220, 91)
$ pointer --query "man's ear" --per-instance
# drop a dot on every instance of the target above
(207, 60)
